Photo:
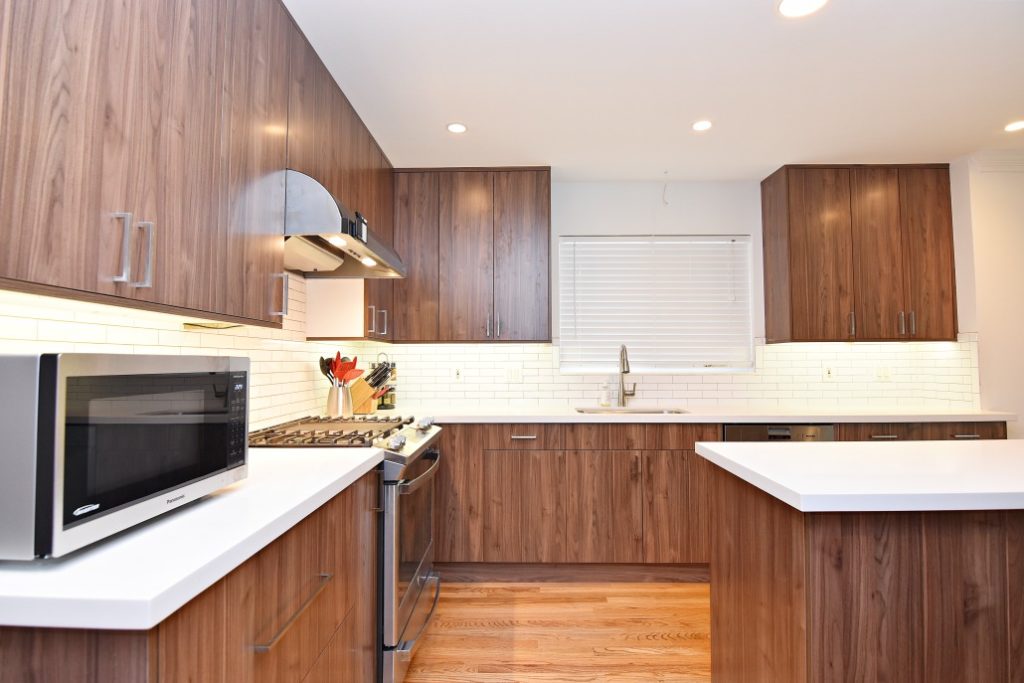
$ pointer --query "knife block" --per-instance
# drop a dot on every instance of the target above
(362, 397)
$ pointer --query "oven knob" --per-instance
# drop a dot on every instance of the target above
(425, 423)
(396, 442)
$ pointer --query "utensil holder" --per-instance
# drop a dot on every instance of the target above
(332, 401)
(346, 401)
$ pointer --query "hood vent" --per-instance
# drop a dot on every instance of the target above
(324, 239)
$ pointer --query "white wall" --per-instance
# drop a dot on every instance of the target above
(996, 187)
(676, 208)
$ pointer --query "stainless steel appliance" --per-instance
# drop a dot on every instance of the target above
(782, 432)
(410, 588)
(324, 239)
(94, 443)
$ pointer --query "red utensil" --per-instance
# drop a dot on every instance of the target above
(351, 375)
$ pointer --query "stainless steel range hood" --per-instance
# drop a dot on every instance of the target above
(324, 239)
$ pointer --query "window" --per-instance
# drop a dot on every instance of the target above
(679, 303)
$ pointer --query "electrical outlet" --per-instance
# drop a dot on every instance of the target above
(828, 374)
(457, 375)
(514, 375)
(883, 374)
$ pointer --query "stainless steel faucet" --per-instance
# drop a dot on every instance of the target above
(624, 393)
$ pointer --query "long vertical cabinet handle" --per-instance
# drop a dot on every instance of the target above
(488, 326)
(913, 323)
(126, 245)
(384, 332)
(497, 314)
(903, 323)
(284, 294)
(853, 323)
(147, 280)
(373, 320)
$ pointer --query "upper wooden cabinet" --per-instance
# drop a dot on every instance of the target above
(477, 245)
(858, 253)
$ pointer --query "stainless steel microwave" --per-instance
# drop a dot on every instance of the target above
(92, 444)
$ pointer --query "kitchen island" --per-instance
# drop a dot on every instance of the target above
(867, 561)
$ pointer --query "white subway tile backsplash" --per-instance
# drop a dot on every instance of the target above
(286, 381)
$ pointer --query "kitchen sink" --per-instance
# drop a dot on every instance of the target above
(610, 410)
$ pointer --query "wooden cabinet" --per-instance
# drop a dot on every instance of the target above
(305, 605)
(921, 431)
(572, 493)
(379, 293)
(604, 506)
(416, 241)
(476, 243)
(522, 242)
(858, 253)
(524, 513)
(466, 256)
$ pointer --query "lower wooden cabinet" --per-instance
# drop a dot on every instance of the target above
(604, 506)
(303, 608)
(524, 513)
(575, 493)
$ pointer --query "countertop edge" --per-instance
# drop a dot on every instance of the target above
(141, 614)
(718, 418)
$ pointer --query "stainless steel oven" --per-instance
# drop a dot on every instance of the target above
(411, 587)
(94, 444)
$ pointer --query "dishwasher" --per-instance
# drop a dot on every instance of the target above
(782, 432)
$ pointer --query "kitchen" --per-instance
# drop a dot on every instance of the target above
(373, 373)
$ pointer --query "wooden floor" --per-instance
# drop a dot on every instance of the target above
(522, 632)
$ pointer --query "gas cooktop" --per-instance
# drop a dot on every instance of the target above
(355, 432)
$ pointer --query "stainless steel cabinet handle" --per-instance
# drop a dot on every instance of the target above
(147, 280)
(284, 294)
(269, 645)
(903, 323)
(488, 326)
(885, 437)
(523, 437)
(498, 325)
(126, 246)
(853, 324)
(913, 323)
(373, 320)
(967, 436)
(384, 332)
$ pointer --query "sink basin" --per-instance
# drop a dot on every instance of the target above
(611, 410)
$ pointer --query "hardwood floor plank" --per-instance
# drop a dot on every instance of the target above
(572, 632)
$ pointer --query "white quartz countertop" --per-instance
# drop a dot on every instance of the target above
(140, 577)
(872, 476)
(716, 415)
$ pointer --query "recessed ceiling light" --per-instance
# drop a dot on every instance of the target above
(1014, 127)
(794, 9)
(702, 125)
(368, 262)
(337, 241)
(456, 128)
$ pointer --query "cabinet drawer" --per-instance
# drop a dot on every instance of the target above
(276, 607)
(967, 431)
(602, 437)
(522, 437)
(680, 437)
(881, 431)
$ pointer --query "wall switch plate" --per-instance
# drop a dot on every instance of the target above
(514, 375)
(457, 375)
(828, 374)
(883, 374)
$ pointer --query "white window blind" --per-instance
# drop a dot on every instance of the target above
(679, 303)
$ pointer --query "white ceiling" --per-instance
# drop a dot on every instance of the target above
(608, 89)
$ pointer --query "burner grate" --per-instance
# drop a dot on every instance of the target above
(329, 431)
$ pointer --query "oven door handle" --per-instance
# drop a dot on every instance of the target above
(423, 479)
